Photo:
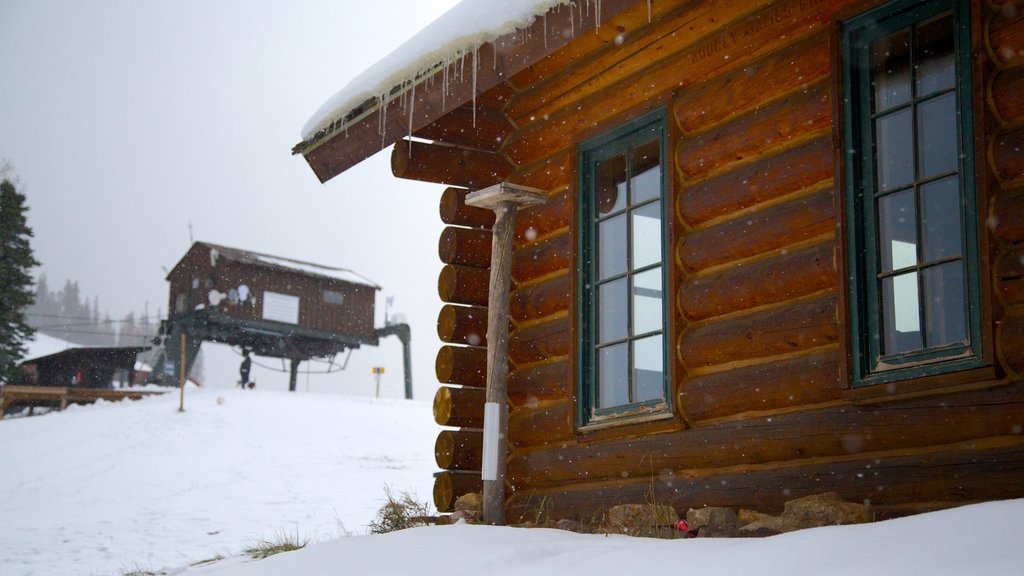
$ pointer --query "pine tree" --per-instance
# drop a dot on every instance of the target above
(16, 290)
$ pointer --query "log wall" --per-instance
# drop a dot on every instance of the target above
(762, 411)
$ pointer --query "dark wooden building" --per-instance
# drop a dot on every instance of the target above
(253, 286)
(268, 305)
(88, 367)
(782, 254)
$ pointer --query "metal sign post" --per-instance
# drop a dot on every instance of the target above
(504, 199)
(377, 371)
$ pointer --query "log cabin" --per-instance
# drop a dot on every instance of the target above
(782, 251)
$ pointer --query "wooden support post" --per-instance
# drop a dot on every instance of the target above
(181, 370)
(504, 199)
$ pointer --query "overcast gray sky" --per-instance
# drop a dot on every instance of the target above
(126, 120)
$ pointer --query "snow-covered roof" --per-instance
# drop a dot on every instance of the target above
(43, 345)
(250, 257)
(450, 38)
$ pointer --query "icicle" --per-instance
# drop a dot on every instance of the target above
(545, 17)
(412, 106)
(648, 11)
(444, 83)
(476, 48)
(597, 15)
(383, 120)
(572, 20)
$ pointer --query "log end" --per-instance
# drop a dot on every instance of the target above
(442, 407)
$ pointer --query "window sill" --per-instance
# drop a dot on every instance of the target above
(963, 381)
(640, 424)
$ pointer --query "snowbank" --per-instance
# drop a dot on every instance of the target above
(979, 539)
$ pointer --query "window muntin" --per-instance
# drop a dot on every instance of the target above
(910, 191)
(622, 272)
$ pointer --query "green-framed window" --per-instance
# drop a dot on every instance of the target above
(623, 309)
(911, 208)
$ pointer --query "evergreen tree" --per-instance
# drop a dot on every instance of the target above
(16, 291)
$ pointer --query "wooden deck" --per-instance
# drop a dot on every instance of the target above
(60, 397)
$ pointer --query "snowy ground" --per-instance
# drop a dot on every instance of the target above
(107, 488)
(118, 487)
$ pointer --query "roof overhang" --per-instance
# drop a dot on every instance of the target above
(376, 124)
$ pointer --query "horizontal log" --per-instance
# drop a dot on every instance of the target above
(454, 210)
(459, 407)
(810, 379)
(628, 26)
(1010, 336)
(451, 165)
(1008, 95)
(541, 423)
(465, 247)
(764, 179)
(758, 132)
(759, 33)
(1010, 276)
(465, 365)
(450, 485)
(459, 449)
(464, 285)
(1008, 155)
(747, 235)
(779, 330)
(963, 473)
(551, 173)
(462, 325)
(744, 89)
(830, 432)
(539, 382)
(782, 277)
(474, 126)
(541, 299)
(541, 258)
(549, 339)
(1007, 221)
(538, 221)
(1006, 37)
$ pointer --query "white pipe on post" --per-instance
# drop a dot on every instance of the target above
(504, 199)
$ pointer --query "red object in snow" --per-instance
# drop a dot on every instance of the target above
(682, 526)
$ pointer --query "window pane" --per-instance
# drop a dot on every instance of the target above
(647, 302)
(898, 223)
(894, 139)
(891, 74)
(937, 138)
(901, 314)
(611, 311)
(648, 366)
(945, 321)
(646, 235)
(935, 66)
(646, 171)
(610, 187)
(612, 376)
(611, 247)
(940, 210)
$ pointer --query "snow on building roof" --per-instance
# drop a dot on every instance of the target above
(450, 38)
(250, 257)
(43, 345)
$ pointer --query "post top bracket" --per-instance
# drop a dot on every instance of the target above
(492, 196)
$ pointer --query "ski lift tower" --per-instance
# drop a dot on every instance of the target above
(269, 306)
